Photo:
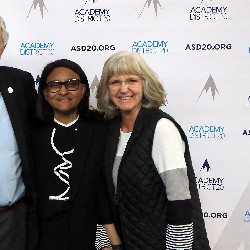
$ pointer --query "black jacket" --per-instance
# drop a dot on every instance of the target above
(18, 90)
(88, 205)
(141, 195)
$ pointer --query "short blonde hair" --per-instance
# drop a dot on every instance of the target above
(126, 62)
(4, 31)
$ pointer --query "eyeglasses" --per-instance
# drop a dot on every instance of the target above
(130, 82)
(70, 85)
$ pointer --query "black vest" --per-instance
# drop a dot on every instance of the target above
(141, 194)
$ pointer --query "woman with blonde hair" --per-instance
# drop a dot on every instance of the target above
(151, 181)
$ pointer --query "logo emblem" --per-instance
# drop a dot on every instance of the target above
(207, 181)
(208, 11)
(37, 3)
(93, 89)
(210, 85)
(156, 3)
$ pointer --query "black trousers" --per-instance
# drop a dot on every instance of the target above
(13, 227)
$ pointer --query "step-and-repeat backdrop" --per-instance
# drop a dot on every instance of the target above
(200, 50)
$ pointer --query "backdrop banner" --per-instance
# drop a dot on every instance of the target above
(200, 49)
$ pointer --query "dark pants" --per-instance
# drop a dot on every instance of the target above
(13, 227)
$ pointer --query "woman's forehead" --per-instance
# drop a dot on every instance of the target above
(124, 75)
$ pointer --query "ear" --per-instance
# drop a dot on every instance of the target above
(83, 90)
(45, 94)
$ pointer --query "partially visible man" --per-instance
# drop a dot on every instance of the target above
(17, 100)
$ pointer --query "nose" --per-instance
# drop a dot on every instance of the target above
(124, 87)
(63, 90)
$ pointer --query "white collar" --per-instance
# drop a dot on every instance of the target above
(66, 125)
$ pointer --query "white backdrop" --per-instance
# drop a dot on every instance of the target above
(200, 50)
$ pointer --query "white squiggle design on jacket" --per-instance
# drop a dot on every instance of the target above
(60, 170)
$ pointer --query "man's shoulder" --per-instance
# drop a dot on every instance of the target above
(12, 70)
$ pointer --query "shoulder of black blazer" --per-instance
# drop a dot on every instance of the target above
(18, 90)
(19, 81)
